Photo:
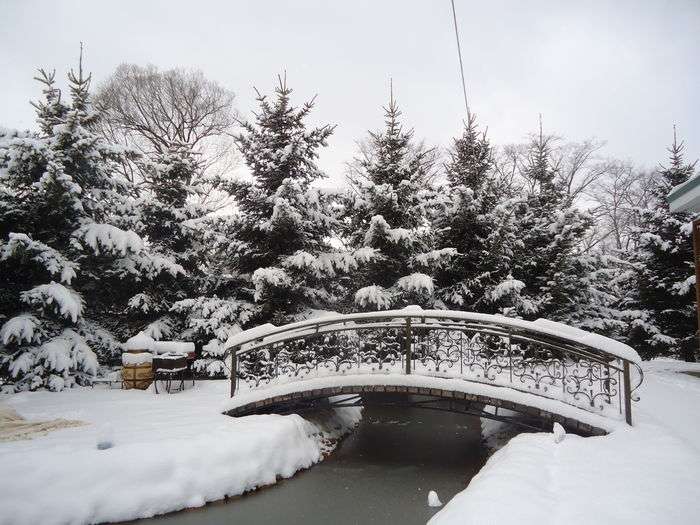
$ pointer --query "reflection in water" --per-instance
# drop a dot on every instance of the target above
(381, 473)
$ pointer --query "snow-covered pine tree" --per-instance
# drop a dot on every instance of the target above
(172, 223)
(552, 276)
(59, 190)
(666, 322)
(177, 120)
(178, 226)
(282, 235)
(474, 220)
(386, 212)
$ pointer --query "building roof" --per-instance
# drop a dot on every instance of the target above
(686, 196)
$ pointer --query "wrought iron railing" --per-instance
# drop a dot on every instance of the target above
(542, 358)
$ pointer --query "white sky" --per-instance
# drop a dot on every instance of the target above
(621, 70)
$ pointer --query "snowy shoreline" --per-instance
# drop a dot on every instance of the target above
(177, 452)
(170, 453)
(645, 474)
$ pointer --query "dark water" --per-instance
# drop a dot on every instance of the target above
(379, 474)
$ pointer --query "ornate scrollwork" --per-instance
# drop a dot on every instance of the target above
(465, 352)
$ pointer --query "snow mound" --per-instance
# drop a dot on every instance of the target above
(142, 358)
(181, 347)
(643, 475)
(433, 499)
(139, 342)
(559, 433)
(166, 454)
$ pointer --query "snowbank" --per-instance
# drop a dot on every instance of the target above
(172, 452)
(140, 341)
(169, 453)
(644, 474)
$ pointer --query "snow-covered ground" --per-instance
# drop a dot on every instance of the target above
(170, 452)
(646, 474)
(178, 451)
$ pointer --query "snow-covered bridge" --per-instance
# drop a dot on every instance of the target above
(530, 372)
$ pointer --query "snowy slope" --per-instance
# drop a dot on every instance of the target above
(170, 452)
(646, 474)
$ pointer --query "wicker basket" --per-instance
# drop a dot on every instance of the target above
(137, 376)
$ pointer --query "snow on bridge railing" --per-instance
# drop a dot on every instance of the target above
(541, 357)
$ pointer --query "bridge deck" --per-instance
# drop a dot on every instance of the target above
(253, 401)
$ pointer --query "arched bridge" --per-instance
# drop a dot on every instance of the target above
(530, 372)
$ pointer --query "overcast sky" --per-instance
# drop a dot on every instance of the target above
(621, 71)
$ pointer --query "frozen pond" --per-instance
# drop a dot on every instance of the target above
(381, 473)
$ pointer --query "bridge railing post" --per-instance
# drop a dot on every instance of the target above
(627, 385)
(407, 345)
(233, 370)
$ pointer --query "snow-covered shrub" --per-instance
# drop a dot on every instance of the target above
(212, 320)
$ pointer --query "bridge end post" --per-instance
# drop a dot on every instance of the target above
(627, 384)
(233, 371)
(408, 340)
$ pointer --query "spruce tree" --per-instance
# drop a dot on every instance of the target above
(552, 275)
(387, 215)
(59, 195)
(281, 237)
(170, 219)
(474, 220)
(58, 190)
(666, 321)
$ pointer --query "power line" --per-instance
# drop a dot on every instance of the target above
(461, 66)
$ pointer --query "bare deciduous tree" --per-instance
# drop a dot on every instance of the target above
(611, 190)
(579, 165)
(155, 111)
(506, 169)
(617, 196)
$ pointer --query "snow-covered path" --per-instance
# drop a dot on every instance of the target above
(171, 452)
(648, 474)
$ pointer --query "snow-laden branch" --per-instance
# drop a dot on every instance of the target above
(64, 301)
(23, 328)
(374, 296)
(330, 263)
(50, 259)
(106, 238)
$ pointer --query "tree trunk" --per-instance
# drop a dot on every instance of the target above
(688, 349)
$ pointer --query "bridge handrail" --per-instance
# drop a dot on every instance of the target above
(599, 343)
(612, 354)
(286, 337)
